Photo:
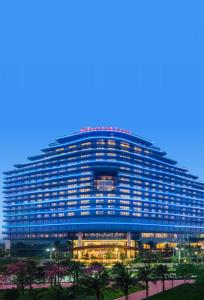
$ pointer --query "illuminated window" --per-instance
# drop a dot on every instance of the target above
(125, 190)
(125, 145)
(146, 152)
(137, 149)
(111, 154)
(111, 212)
(124, 213)
(60, 149)
(111, 143)
(69, 214)
(136, 214)
(71, 202)
(86, 144)
(84, 206)
(124, 207)
(104, 183)
(100, 142)
(84, 178)
(99, 201)
(84, 167)
(85, 201)
(85, 213)
(111, 201)
(124, 202)
(71, 191)
(84, 190)
(99, 154)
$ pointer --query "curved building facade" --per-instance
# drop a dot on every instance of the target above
(102, 188)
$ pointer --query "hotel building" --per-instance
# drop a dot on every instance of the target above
(106, 191)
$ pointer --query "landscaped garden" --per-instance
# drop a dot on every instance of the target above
(32, 280)
(62, 278)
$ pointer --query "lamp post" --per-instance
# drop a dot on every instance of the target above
(196, 254)
(50, 250)
(179, 254)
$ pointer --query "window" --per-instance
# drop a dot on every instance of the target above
(85, 213)
(125, 145)
(111, 143)
(137, 149)
(104, 183)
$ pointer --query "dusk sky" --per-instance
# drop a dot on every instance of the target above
(138, 65)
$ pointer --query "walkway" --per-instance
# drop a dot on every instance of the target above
(34, 286)
(155, 289)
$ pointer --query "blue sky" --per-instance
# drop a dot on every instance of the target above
(138, 65)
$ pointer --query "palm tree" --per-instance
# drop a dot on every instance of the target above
(55, 273)
(161, 272)
(74, 270)
(19, 270)
(185, 271)
(95, 278)
(32, 272)
(145, 274)
(124, 277)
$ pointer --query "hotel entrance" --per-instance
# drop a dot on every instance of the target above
(110, 250)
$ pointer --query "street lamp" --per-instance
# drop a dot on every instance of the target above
(50, 251)
(179, 253)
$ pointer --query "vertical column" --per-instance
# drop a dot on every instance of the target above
(79, 244)
(128, 239)
(128, 244)
(8, 246)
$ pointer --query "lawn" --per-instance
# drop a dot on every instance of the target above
(62, 294)
(183, 292)
(110, 294)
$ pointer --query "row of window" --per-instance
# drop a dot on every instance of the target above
(62, 215)
(139, 171)
(135, 183)
(110, 143)
(135, 149)
(122, 193)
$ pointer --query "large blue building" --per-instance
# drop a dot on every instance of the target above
(106, 190)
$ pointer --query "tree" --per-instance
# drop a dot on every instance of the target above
(24, 272)
(200, 276)
(145, 274)
(167, 250)
(32, 272)
(124, 277)
(185, 271)
(95, 278)
(158, 256)
(19, 270)
(74, 270)
(161, 272)
(55, 273)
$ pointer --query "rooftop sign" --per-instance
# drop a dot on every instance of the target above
(85, 129)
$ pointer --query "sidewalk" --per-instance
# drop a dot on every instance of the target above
(155, 289)
(34, 286)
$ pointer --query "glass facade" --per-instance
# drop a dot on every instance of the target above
(101, 180)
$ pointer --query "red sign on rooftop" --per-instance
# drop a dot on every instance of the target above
(85, 129)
